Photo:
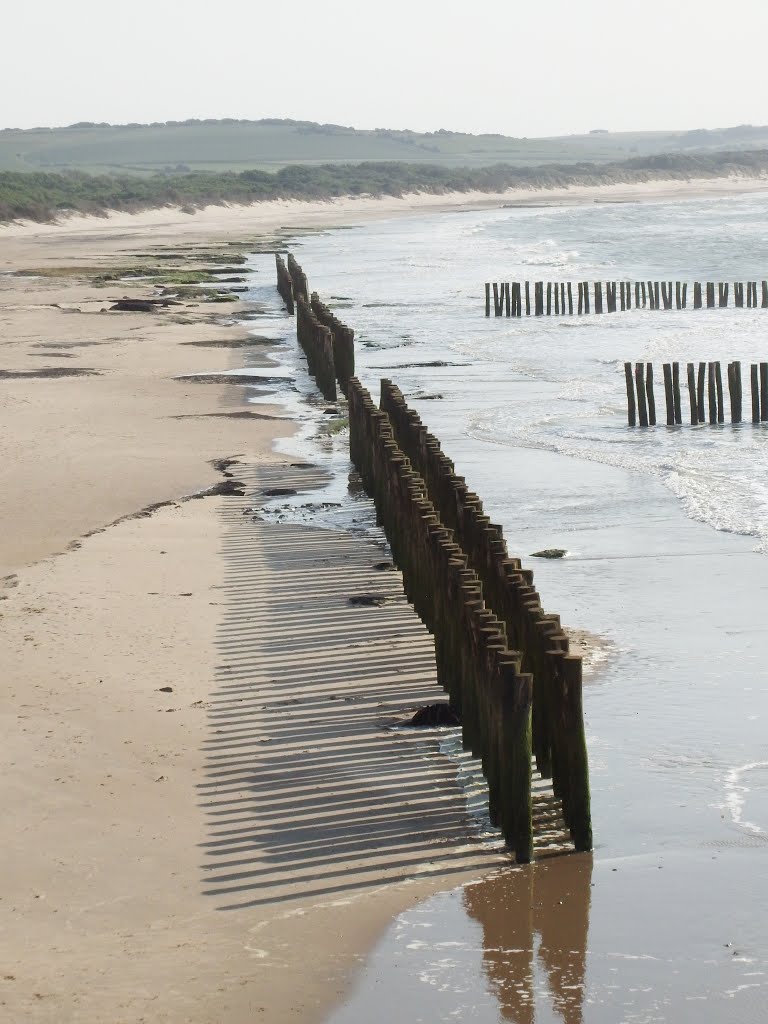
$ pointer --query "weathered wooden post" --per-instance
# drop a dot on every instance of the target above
(765, 295)
(581, 297)
(712, 393)
(723, 289)
(676, 392)
(669, 395)
(527, 298)
(496, 304)
(586, 296)
(763, 392)
(666, 294)
(755, 385)
(656, 299)
(710, 294)
(678, 295)
(649, 394)
(737, 380)
(487, 298)
(697, 294)
(692, 394)
(700, 391)
(507, 299)
(733, 393)
(570, 299)
(719, 389)
(562, 298)
(637, 295)
(610, 294)
(622, 300)
(631, 415)
(549, 298)
(539, 298)
(738, 295)
(598, 297)
(685, 294)
(642, 406)
(645, 300)
(557, 299)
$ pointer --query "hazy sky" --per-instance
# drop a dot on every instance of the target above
(510, 67)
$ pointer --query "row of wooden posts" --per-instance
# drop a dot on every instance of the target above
(547, 298)
(705, 393)
(328, 344)
(503, 662)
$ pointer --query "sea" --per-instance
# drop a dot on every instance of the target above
(666, 569)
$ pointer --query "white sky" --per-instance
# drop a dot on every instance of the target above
(516, 68)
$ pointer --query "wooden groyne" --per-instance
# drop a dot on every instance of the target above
(706, 393)
(557, 720)
(475, 665)
(328, 344)
(566, 298)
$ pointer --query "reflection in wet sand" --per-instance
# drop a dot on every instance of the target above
(535, 924)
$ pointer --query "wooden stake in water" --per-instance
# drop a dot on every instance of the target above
(570, 299)
(755, 385)
(697, 294)
(641, 399)
(763, 392)
(712, 393)
(527, 298)
(631, 414)
(719, 389)
(692, 394)
(487, 299)
(649, 394)
(700, 392)
(676, 391)
(668, 394)
(737, 380)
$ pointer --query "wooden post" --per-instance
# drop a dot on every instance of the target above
(487, 299)
(738, 295)
(765, 294)
(700, 391)
(581, 297)
(642, 406)
(570, 299)
(649, 394)
(496, 303)
(668, 394)
(527, 298)
(637, 295)
(586, 296)
(733, 393)
(764, 392)
(644, 296)
(712, 391)
(737, 381)
(678, 295)
(697, 294)
(754, 381)
(539, 298)
(719, 388)
(666, 294)
(622, 300)
(631, 417)
(507, 299)
(723, 290)
(685, 294)
(598, 296)
(710, 295)
(692, 394)
(562, 297)
(656, 302)
(557, 299)
(549, 298)
(676, 391)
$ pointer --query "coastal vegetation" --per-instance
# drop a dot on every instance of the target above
(48, 196)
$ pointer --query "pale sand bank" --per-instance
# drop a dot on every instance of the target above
(94, 235)
(228, 850)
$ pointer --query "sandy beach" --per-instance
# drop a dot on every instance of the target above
(206, 818)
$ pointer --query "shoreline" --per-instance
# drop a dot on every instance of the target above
(170, 224)
(171, 673)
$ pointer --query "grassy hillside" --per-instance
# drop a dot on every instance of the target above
(230, 145)
(45, 196)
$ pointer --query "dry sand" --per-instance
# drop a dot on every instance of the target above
(229, 849)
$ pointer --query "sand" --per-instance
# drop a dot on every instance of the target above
(228, 849)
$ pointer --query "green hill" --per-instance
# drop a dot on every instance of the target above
(231, 145)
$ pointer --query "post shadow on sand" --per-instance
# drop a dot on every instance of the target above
(306, 794)
(535, 923)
